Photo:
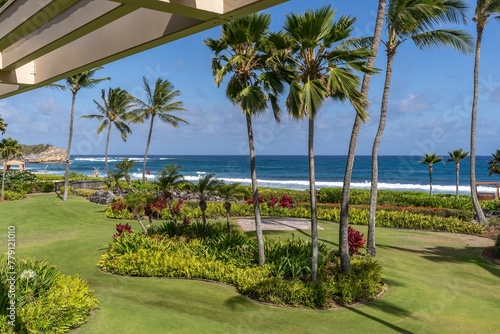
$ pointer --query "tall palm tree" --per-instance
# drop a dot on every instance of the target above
(415, 20)
(126, 166)
(243, 52)
(321, 71)
(346, 187)
(205, 185)
(159, 103)
(74, 84)
(227, 191)
(457, 156)
(494, 164)
(430, 160)
(3, 126)
(115, 109)
(486, 11)
(9, 148)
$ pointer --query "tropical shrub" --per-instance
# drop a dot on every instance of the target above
(84, 192)
(231, 257)
(356, 240)
(14, 195)
(46, 300)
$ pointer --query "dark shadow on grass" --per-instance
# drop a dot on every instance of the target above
(391, 282)
(453, 255)
(390, 308)
(383, 322)
(238, 303)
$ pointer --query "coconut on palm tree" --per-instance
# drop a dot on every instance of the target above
(227, 191)
(3, 126)
(243, 52)
(9, 148)
(205, 185)
(159, 103)
(430, 160)
(74, 84)
(114, 110)
(494, 164)
(486, 11)
(365, 86)
(322, 64)
(419, 21)
(457, 156)
(126, 166)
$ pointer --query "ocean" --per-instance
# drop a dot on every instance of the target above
(291, 172)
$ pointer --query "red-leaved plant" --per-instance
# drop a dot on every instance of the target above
(272, 201)
(121, 229)
(286, 201)
(250, 200)
(356, 240)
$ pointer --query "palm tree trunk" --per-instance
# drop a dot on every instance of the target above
(457, 176)
(475, 201)
(346, 188)
(430, 181)
(106, 152)
(68, 151)
(376, 145)
(312, 190)
(256, 207)
(3, 181)
(147, 149)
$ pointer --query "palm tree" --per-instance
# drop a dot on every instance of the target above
(243, 51)
(74, 84)
(457, 156)
(205, 185)
(126, 166)
(415, 20)
(430, 160)
(114, 110)
(494, 163)
(168, 179)
(486, 11)
(227, 191)
(159, 103)
(321, 71)
(116, 176)
(9, 148)
(3, 126)
(346, 187)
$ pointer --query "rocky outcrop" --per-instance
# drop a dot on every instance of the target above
(102, 197)
(51, 155)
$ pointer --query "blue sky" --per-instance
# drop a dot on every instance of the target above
(430, 102)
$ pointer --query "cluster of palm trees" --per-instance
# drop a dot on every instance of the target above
(9, 148)
(456, 156)
(120, 109)
(314, 55)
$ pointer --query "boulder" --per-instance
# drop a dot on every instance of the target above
(102, 197)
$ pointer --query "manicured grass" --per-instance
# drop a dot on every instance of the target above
(438, 282)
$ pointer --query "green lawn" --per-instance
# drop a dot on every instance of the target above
(438, 282)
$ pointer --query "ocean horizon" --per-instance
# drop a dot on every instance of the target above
(396, 172)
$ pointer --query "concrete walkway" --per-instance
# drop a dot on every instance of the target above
(277, 224)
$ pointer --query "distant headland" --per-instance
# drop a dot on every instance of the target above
(43, 153)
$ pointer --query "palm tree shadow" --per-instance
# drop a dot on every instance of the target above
(390, 309)
(452, 254)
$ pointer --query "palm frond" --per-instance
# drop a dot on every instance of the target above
(457, 39)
